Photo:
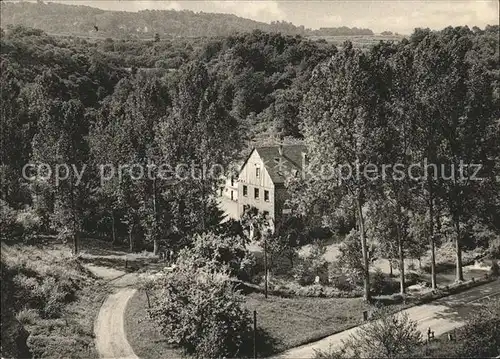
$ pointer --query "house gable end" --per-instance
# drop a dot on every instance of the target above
(248, 173)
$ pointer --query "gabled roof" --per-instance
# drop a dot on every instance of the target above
(280, 166)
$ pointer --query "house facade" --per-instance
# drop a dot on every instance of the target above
(230, 188)
(261, 181)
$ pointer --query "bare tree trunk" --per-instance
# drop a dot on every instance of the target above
(73, 219)
(390, 268)
(147, 297)
(364, 249)
(266, 271)
(401, 256)
(401, 265)
(458, 248)
(75, 242)
(204, 213)
(155, 247)
(131, 237)
(432, 240)
(155, 209)
(113, 226)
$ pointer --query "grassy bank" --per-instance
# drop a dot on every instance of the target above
(55, 298)
(142, 334)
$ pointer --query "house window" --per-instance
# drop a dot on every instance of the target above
(232, 181)
(257, 172)
(256, 193)
(266, 195)
(245, 191)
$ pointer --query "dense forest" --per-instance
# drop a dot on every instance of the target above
(65, 100)
(88, 21)
(80, 109)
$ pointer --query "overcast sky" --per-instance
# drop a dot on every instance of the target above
(395, 15)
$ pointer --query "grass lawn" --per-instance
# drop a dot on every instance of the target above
(295, 321)
(142, 334)
(289, 321)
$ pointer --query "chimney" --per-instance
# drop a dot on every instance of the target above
(280, 149)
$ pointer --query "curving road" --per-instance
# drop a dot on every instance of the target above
(111, 340)
(442, 315)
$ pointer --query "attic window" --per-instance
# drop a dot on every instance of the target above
(257, 172)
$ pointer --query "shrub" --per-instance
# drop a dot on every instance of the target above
(56, 345)
(480, 337)
(331, 353)
(388, 336)
(40, 285)
(445, 254)
(198, 309)
(13, 334)
(411, 278)
(51, 296)
(27, 316)
(495, 269)
(311, 266)
(494, 248)
(380, 284)
(9, 228)
(283, 245)
(46, 295)
(412, 267)
(225, 250)
(319, 291)
(303, 273)
(341, 282)
(282, 257)
(350, 258)
(30, 223)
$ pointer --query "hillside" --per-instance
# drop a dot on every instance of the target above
(83, 20)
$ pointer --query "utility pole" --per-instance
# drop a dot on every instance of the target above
(255, 334)
(155, 210)
(265, 265)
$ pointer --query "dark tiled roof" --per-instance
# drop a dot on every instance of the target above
(279, 166)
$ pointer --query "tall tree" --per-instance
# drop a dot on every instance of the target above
(396, 141)
(425, 72)
(340, 119)
(198, 138)
(60, 144)
(467, 113)
(123, 134)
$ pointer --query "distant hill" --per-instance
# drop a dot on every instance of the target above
(88, 21)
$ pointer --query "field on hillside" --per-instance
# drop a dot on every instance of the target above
(359, 41)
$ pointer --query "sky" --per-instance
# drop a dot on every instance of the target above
(400, 16)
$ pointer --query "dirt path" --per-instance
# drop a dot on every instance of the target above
(111, 340)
